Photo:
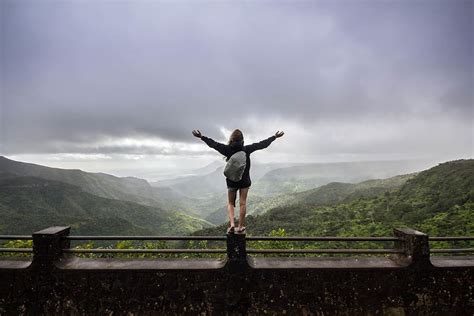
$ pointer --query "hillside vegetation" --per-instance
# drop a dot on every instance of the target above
(312, 175)
(329, 194)
(103, 185)
(274, 183)
(28, 204)
(438, 201)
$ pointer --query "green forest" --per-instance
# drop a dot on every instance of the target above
(438, 201)
(28, 204)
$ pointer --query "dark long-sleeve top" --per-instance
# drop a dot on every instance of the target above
(229, 150)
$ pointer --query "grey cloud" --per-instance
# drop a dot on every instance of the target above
(73, 72)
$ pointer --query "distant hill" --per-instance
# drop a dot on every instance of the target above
(434, 191)
(274, 183)
(196, 186)
(129, 188)
(312, 175)
(329, 194)
(190, 195)
(280, 178)
(337, 192)
(438, 201)
(104, 185)
(205, 185)
(100, 184)
(28, 204)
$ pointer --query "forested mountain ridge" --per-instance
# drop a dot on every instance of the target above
(269, 179)
(437, 189)
(438, 201)
(437, 197)
(204, 195)
(337, 192)
(312, 175)
(282, 185)
(28, 204)
(329, 194)
(104, 185)
(100, 184)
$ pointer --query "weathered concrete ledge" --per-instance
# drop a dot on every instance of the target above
(14, 263)
(140, 264)
(453, 261)
(324, 263)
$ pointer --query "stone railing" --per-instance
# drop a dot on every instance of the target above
(409, 279)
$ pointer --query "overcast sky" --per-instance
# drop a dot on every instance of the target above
(118, 86)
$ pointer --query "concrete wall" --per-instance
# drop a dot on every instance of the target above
(410, 284)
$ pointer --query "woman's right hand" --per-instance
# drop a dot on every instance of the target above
(279, 134)
(197, 133)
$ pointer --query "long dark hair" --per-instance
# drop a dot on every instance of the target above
(236, 136)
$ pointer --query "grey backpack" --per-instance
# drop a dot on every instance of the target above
(234, 169)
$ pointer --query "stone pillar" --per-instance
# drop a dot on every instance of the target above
(236, 251)
(415, 246)
(47, 248)
(236, 299)
(48, 245)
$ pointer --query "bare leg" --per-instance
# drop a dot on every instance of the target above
(230, 205)
(243, 206)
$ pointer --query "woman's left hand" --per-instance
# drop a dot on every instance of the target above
(197, 133)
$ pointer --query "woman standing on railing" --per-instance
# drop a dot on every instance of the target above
(236, 144)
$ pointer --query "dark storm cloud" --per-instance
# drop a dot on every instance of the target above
(74, 73)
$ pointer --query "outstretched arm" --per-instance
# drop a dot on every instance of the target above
(264, 143)
(221, 148)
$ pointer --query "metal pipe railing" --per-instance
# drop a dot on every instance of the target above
(249, 238)
(327, 250)
(16, 237)
(24, 250)
(265, 238)
(451, 250)
(451, 238)
(144, 237)
(448, 250)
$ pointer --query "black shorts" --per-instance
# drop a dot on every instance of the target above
(244, 183)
